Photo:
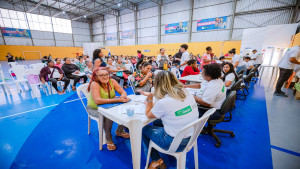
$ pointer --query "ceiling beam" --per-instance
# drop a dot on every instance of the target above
(123, 4)
(36, 6)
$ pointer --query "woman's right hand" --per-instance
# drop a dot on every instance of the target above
(149, 74)
(123, 99)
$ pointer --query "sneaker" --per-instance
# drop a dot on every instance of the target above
(280, 94)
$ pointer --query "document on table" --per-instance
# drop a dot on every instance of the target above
(192, 91)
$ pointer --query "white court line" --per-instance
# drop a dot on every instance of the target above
(28, 111)
(37, 109)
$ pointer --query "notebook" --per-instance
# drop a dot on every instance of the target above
(110, 105)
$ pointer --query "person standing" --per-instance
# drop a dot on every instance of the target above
(206, 58)
(140, 57)
(10, 58)
(177, 58)
(286, 65)
(185, 57)
(257, 61)
(162, 58)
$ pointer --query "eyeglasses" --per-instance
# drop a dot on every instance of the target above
(105, 75)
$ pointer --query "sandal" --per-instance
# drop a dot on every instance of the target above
(159, 164)
(124, 134)
(111, 146)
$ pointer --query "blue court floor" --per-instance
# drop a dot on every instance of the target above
(51, 132)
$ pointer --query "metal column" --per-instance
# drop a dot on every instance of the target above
(103, 33)
(159, 22)
(118, 28)
(232, 19)
(191, 20)
(136, 26)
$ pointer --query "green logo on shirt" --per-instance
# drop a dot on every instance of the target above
(223, 89)
(183, 111)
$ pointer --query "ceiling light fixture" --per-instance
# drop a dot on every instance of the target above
(84, 16)
(119, 4)
(63, 12)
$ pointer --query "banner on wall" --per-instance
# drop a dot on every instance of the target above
(13, 32)
(176, 27)
(111, 36)
(128, 34)
(212, 23)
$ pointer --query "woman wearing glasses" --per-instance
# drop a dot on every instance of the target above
(102, 91)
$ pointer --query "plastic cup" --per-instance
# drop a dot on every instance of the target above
(130, 111)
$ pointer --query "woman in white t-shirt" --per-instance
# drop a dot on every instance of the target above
(237, 60)
(212, 91)
(168, 91)
(228, 75)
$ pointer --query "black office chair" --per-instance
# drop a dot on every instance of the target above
(254, 79)
(226, 107)
(240, 76)
(241, 72)
(244, 87)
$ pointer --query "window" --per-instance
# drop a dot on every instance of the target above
(21, 20)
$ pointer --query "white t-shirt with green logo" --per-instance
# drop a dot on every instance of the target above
(213, 93)
(238, 58)
(176, 114)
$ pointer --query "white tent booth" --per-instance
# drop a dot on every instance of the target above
(271, 41)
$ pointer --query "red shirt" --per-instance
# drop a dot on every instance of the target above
(188, 70)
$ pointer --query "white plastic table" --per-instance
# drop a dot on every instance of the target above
(135, 124)
(192, 78)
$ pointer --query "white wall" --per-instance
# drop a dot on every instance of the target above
(81, 33)
(174, 11)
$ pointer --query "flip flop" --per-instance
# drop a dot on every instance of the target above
(124, 134)
(111, 146)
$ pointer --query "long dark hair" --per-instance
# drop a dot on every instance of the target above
(230, 71)
(96, 54)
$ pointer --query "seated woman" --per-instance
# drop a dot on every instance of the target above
(102, 91)
(58, 62)
(249, 64)
(45, 59)
(121, 66)
(53, 74)
(153, 63)
(133, 60)
(221, 60)
(112, 69)
(81, 64)
(213, 90)
(143, 80)
(190, 69)
(71, 70)
(228, 75)
(168, 91)
(89, 69)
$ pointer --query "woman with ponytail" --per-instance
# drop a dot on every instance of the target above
(102, 91)
(237, 61)
(172, 100)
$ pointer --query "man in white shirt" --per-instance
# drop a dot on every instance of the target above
(286, 65)
(184, 58)
(249, 64)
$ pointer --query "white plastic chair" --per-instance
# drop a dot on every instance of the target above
(21, 66)
(20, 77)
(35, 87)
(156, 71)
(197, 125)
(12, 64)
(129, 67)
(37, 66)
(3, 84)
(176, 72)
(130, 81)
(83, 88)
